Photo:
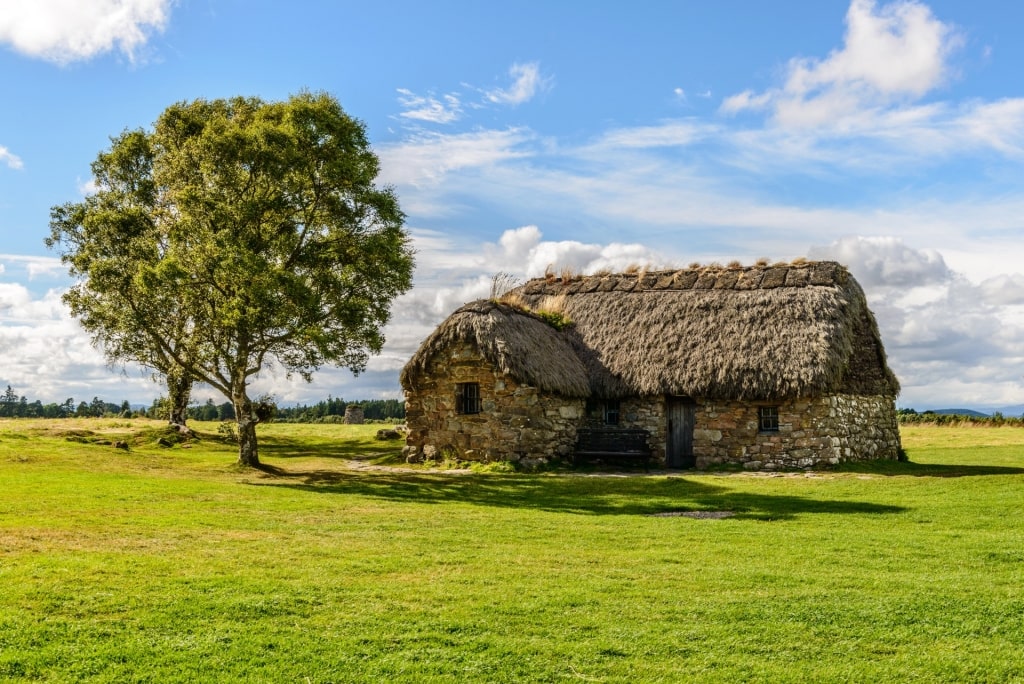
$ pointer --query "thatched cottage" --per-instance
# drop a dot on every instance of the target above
(766, 366)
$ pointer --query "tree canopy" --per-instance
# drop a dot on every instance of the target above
(236, 234)
(109, 241)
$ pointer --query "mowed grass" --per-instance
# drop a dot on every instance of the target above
(170, 564)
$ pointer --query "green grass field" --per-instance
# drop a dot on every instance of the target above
(170, 564)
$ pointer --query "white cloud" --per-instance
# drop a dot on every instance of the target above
(87, 187)
(425, 159)
(673, 133)
(527, 81)
(950, 342)
(64, 31)
(1004, 289)
(884, 262)
(998, 125)
(12, 160)
(894, 53)
(48, 357)
(428, 108)
(35, 265)
(745, 100)
(900, 49)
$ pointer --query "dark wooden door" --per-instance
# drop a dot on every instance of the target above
(679, 447)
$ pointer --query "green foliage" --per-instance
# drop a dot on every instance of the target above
(997, 419)
(325, 411)
(556, 320)
(164, 565)
(12, 406)
(234, 233)
(227, 432)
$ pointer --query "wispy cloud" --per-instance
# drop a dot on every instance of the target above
(424, 159)
(673, 133)
(428, 108)
(64, 31)
(34, 266)
(527, 81)
(12, 160)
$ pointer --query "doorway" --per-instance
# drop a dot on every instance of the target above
(680, 412)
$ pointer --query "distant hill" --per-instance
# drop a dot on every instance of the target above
(957, 412)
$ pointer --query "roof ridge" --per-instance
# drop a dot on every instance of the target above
(710, 277)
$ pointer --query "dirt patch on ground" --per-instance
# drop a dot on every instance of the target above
(699, 515)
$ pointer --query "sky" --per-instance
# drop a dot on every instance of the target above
(592, 135)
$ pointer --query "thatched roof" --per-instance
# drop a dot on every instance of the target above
(761, 332)
(518, 342)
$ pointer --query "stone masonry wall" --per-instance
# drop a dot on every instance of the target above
(520, 423)
(516, 422)
(647, 413)
(812, 432)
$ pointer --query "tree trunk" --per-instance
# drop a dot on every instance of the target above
(179, 392)
(248, 453)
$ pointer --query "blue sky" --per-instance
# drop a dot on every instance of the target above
(888, 136)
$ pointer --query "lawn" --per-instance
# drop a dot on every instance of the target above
(170, 564)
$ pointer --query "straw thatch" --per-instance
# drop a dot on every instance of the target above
(762, 332)
(517, 342)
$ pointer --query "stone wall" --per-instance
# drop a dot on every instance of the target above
(353, 415)
(812, 432)
(516, 422)
(647, 413)
(521, 424)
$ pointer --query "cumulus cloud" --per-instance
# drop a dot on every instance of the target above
(48, 357)
(527, 81)
(886, 262)
(894, 53)
(64, 31)
(428, 108)
(12, 160)
(1004, 289)
(524, 252)
(949, 340)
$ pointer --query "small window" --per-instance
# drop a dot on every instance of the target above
(768, 418)
(611, 412)
(468, 397)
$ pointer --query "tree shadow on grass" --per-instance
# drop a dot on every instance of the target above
(364, 450)
(897, 468)
(581, 495)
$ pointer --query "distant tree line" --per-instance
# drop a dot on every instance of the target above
(14, 406)
(333, 410)
(330, 410)
(997, 419)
